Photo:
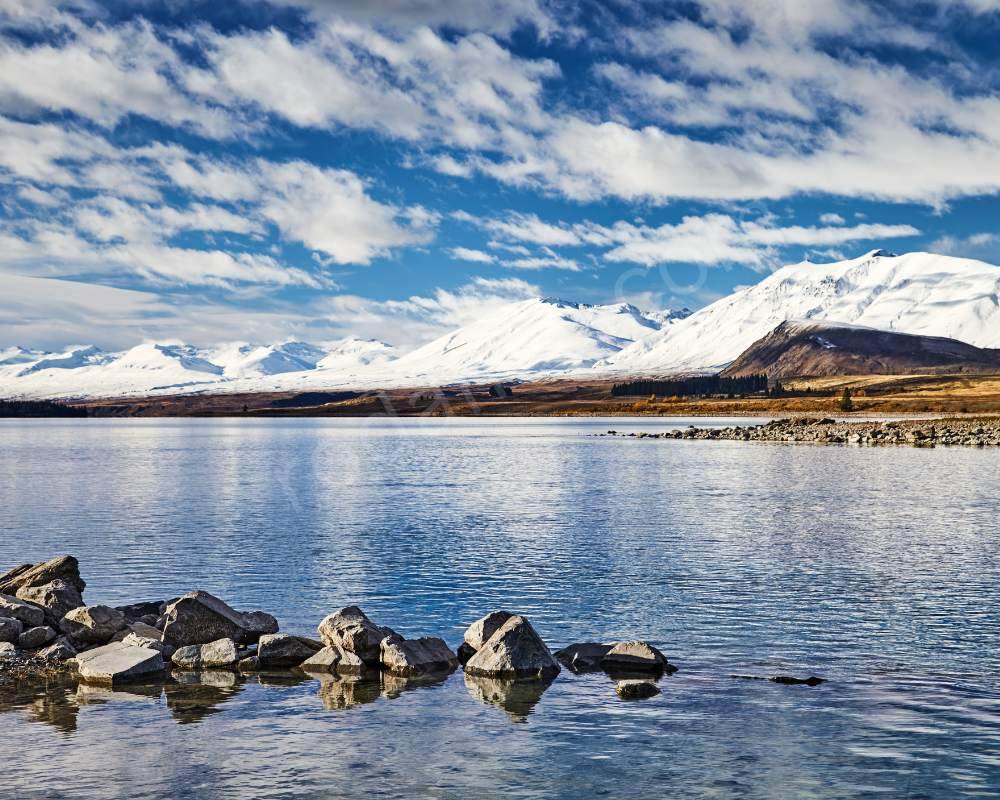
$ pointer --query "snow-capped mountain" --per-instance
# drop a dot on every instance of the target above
(348, 356)
(919, 293)
(242, 360)
(539, 336)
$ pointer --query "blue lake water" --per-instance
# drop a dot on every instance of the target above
(877, 569)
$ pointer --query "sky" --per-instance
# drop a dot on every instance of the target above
(316, 169)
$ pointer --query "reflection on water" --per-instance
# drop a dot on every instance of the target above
(875, 569)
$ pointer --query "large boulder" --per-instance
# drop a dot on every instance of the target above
(220, 653)
(27, 613)
(10, 629)
(282, 650)
(479, 632)
(118, 663)
(92, 624)
(514, 651)
(411, 657)
(58, 597)
(33, 638)
(334, 659)
(634, 656)
(583, 656)
(351, 629)
(64, 568)
(200, 618)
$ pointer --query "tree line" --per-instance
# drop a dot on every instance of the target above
(697, 385)
(38, 408)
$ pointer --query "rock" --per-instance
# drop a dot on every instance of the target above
(135, 612)
(351, 629)
(60, 650)
(479, 632)
(118, 663)
(33, 638)
(59, 597)
(10, 629)
(282, 650)
(28, 613)
(636, 690)
(92, 624)
(135, 640)
(335, 659)
(515, 650)
(248, 664)
(583, 656)
(411, 657)
(199, 618)
(634, 656)
(146, 631)
(220, 653)
(812, 680)
(63, 568)
(7, 650)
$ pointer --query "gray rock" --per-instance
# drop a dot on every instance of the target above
(92, 624)
(146, 631)
(515, 650)
(7, 650)
(133, 639)
(28, 613)
(200, 618)
(334, 659)
(634, 656)
(583, 656)
(135, 612)
(33, 638)
(636, 689)
(60, 650)
(10, 629)
(220, 653)
(282, 650)
(249, 664)
(351, 629)
(59, 597)
(482, 630)
(64, 568)
(118, 663)
(411, 657)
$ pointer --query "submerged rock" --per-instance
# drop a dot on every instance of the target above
(515, 650)
(282, 650)
(199, 618)
(351, 629)
(479, 632)
(636, 689)
(92, 624)
(411, 657)
(27, 613)
(812, 680)
(118, 663)
(220, 653)
(62, 568)
(583, 656)
(334, 659)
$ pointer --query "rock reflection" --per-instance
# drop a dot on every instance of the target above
(339, 692)
(393, 686)
(50, 703)
(517, 697)
(88, 695)
(193, 696)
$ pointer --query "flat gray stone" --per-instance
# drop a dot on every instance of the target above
(411, 657)
(27, 613)
(334, 659)
(282, 650)
(634, 656)
(118, 663)
(514, 651)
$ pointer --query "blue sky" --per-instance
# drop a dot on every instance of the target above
(310, 169)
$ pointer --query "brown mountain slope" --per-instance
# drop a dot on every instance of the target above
(821, 348)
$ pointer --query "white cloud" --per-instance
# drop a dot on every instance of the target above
(832, 219)
(468, 254)
(985, 246)
(543, 262)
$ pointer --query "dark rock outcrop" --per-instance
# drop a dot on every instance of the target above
(199, 618)
(282, 650)
(636, 689)
(64, 568)
(583, 656)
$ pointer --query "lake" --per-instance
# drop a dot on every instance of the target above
(875, 568)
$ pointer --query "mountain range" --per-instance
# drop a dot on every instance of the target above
(917, 293)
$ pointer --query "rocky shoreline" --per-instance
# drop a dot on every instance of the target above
(48, 633)
(824, 430)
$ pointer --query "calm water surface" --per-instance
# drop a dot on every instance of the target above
(877, 569)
